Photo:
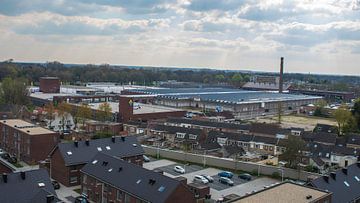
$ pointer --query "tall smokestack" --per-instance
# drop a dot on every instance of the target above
(281, 75)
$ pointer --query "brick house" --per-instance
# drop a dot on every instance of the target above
(67, 159)
(28, 142)
(108, 179)
(96, 126)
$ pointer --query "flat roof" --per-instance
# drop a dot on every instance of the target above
(49, 96)
(139, 108)
(26, 127)
(284, 193)
(224, 95)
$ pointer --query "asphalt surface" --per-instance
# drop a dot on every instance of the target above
(221, 186)
(188, 169)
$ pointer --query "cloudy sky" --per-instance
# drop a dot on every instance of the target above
(317, 36)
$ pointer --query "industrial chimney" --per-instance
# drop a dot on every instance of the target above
(281, 75)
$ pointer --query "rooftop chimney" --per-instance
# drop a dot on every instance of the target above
(123, 138)
(344, 170)
(113, 139)
(50, 198)
(87, 142)
(4, 176)
(76, 143)
(333, 175)
(22, 174)
(281, 75)
(326, 178)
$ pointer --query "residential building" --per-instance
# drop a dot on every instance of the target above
(286, 192)
(344, 184)
(26, 141)
(97, 126)
(67, 159)
(109, 179)
(30, 186)
(135, 127)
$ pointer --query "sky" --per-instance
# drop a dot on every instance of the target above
(314, 36)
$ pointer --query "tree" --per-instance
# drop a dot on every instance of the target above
(294, 150)
(104, 112)
(342, 116)
(63, 110)
(50, 110)
(356, 112)
(13, 91)
(220, 78)
(84, 112)
(237, 79)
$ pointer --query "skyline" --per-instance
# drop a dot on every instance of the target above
(313, 36)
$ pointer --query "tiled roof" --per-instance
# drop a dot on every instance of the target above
(131, 178)
(343, 183)
(17, 189)
(82, 153)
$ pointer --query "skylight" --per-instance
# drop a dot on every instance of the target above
(110, 169)
(99, 149)
(161, 189)
(41, 184)
(357, 179)
(95, 161)
(108, 147)
(347, 184)
(139, 181)
(69, 153)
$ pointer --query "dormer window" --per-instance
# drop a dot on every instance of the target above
(192, 137)
(180, 135)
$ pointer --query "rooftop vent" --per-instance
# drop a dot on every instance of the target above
(41, 184)
(4, 176)
(99, 149)
(4, 121)
(326, 178)
(105, 163)
(152, 181)
(134, 145)
(28, 131)
(344, 170)
(50, 198)
(113, 139)
(22, 174)
(76, 143)
(333, 175)
(123, 139)
(108, 148)
(120, 169)
(308, 197)
(87, 142)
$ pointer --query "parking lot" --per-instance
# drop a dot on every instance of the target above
(221, 186)
(188, 169)
(217, 189)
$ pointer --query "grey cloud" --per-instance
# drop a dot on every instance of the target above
(207, 5)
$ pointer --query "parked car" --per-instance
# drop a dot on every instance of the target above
(209, 178)
(200, 179)
(179, 169)
(146, 159)
(226, 181)
(12, 159)
(2, 152)
(245, 176)
(226, 174)
(5, 156)
(55, 184)
(81, 199)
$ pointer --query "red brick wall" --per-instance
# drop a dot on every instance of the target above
(59, 171)
(182, 194)
(39, 145)
(4, 169)
(49, 85)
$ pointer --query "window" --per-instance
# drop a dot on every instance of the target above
(193, 137)
(180, 135)
(119, 195)
(84, 178)
(127, 198)
(107, 188)
(73, 179)
(347, 184)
